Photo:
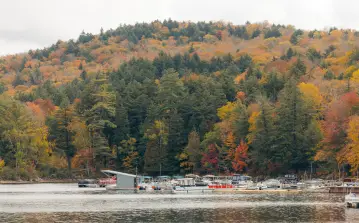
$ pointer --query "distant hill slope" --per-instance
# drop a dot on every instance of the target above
(204, 97)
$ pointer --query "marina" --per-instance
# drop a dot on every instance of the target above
(232, 184)
(237, 182)
(65, 202)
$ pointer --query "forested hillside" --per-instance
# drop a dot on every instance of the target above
(183, 97)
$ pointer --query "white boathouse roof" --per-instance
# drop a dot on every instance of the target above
(117, 173)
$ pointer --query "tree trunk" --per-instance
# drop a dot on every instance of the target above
(69, 169)
(87, 167)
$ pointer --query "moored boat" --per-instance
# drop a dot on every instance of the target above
(87, 183)
(103, 182)
(352, 200)
(269, 184)
(242, 181)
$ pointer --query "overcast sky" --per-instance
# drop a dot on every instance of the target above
(31, 24)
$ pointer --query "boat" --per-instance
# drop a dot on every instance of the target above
(146, 183)
(188, 185)
(194, 189)
(351, 182)
(242, 181)
(198, 181)
(269, 184)
(88, 183)
(314, 185)
(110, 180)
(352, 200)
(290, 182)
(208, 178)
(124, 181)
(162, 183)
(221, 182)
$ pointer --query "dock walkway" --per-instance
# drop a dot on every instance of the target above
(343, 190)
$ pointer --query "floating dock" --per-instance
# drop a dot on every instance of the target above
(344, 190)
(246, 191)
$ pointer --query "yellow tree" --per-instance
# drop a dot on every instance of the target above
(128, 151)
(25, 136)
(351, 150)
(191, 156)
(355, 76)
(224, 111)
(155, 156)
(312, 97)
(252, 126)
(82, 141)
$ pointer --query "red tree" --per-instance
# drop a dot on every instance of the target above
(240, 157)
(210, 158)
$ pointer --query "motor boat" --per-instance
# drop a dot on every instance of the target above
(146, 183)
(87, 183)
(269, 184)
(103, 182)
(242, 181)
(352, 200)
(162, 183)
(351, 182)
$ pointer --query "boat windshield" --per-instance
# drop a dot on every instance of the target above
(241, 178)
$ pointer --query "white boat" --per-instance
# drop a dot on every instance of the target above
(194, 189)
(146, 183)
(185, 185)
(314, 185)
(111, 187)
(162, 183)
(351, 182)
(269, 184)
(88, 183)
(352, 200)
(242, 181)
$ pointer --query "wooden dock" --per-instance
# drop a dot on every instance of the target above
(344, 190)
(245, 191)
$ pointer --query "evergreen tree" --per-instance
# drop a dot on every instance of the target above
(156, 153)
(18, 80)
(291, 128)
(171, 91)
(176, 141)
(191, 49)
(36, 76)
(273, 86)
(83, 75)
(60, 133)
(290, 53)
(240, 124)
(193, 152)
(100, 117)
(23, 63)
(261, 138)
(298, 69)
(3, 88)
(294, 39)
(122, 125)
(256, 33)
(244, 62)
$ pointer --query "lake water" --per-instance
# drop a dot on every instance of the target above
(68, 203)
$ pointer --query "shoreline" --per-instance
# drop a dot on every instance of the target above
(38, 181)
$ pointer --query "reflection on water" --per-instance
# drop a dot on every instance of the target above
(66, 202)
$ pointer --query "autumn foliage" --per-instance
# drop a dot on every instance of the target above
(240, 157)
(176, 97)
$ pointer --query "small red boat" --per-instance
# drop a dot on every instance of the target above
(103, 182)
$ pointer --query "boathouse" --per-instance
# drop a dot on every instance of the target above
(124, 181)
